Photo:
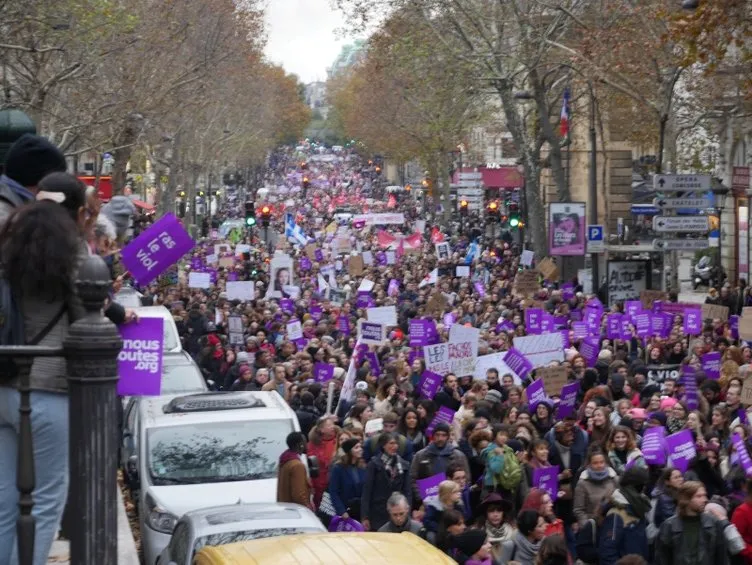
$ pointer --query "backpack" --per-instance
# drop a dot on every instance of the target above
(586, 543)
(511, 473)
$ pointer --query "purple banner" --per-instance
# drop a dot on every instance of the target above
(430, 486)
(533, 320)
(632, 308)
(567, 400)
(323, 372)
(711, 364)
(535, 393)
(742, 453)
(445, 415)
(140, 360)
(547, 479)
(156, 249)
(518, 363)
(653, 445)
(422, 332)
(429, 385)
(681, 449)
(693, 321)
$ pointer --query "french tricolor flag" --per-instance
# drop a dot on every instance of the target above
(564, 118)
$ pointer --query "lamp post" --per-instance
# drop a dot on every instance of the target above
(719, 194)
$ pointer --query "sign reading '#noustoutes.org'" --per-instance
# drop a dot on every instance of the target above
(140, 360)
(156, 249)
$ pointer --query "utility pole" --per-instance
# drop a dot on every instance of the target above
(593, 189)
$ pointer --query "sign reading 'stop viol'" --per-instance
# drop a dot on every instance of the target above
(156, 249)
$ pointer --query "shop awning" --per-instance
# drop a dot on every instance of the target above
(506, 178)
(145, 206)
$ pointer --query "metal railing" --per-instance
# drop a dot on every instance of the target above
(91, 349)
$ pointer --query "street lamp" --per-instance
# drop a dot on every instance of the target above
(719, 194)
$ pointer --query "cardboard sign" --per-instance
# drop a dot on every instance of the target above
(355, 266)
(310, 250)
(541, 349)
(554, 379)
(745, 328)
(548, 269)
(747, 392)
(226, 262)
(648, 297)
(712, 311)
(526, 283)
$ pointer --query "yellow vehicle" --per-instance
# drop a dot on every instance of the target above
(327, 549)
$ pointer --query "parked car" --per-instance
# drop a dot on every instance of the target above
(180, 375)
(203, 450)
(172, 343)
(128, 297)
(239, 522)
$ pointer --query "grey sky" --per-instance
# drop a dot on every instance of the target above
(302, 36)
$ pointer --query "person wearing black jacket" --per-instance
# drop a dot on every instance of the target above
(449, 395)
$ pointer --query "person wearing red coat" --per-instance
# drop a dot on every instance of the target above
(742, 519)
(322, 444)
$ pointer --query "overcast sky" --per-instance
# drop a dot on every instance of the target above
(302, 36)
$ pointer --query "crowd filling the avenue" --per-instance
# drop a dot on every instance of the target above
(446, 383)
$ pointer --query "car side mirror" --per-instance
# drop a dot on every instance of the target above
(128, 442)
(212, 385)
(133, 471)
(314, 467)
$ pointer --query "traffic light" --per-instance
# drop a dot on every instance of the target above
(266, 215)
(514, 215)
(217, 192)
(250, 214)
(303, 165)
(492, 209)
(463, 207)
(408, 187)
(306, 183)
(378, 170)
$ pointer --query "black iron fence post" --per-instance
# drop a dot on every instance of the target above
(91, 350)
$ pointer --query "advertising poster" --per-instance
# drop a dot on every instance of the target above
(566, 228)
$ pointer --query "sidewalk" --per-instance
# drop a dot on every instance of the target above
(127, 554)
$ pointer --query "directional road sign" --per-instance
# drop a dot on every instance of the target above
(671, 203)
(595, 243)
(676, 183)
(470, 176)
(680, 223)
(680, 244)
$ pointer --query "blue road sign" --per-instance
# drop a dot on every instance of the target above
(595, 233)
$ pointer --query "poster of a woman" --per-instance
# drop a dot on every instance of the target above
(567, 228)
(281, 276)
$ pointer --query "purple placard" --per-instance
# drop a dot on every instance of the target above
(422, 332)
(323, 372)
(681, 449)
(430, 486)
(693, 321)
(343, 324)
(449, 319)
(579, 330)
(340, 524)
(505, 326)
(444, 414)
(653, 445)
(711, 364)
(287, 305)
(533, 320)
(567, 400)
(547, 479)
(480, 289)
(743, 454)
(156, 249)
(642, 323)
(316, 313)
(535, 392)
(613, 326)
(518, 363)
(301, 343)
(140, 359)
(196, 264)
(575, 315)
(632, 308)
(429, 385)
(393, 289)
(690, 389)
(547, 323)
(593, 320)
(364, 300)
(318, 254)
(565, 343)
(561, 322)
(305, 264)
(567, 291)
(381, 259)
(589, 349)
(626, 329)
(733, 322)
(658, 323)
(232, 276)
(373, 361)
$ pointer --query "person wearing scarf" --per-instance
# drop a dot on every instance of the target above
(596, 483)
(495, 518)
(523, 549)
(624, 530)
(385, 474)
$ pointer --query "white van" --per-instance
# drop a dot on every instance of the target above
(204, 450)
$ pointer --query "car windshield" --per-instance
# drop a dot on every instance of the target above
(216, 452)
(181, 378)
(247, 535)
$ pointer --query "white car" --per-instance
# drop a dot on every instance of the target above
(204, 450)
(239, 522)
(172, 343)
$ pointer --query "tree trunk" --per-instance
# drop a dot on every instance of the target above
(444, 189)
(168, 194)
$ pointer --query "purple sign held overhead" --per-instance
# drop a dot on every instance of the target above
(287, 305)
(690, 391)
(430, 486)
(480, 289)
(742, 454)
(567, 291)
(593, 317)
(711, 364)
(140, 359)
(547, 479)
(613, 326)
(567, 400)
(445, 415)
(632, 308)
(653, 445)
(642, 323)
(533, 318)
(589, 349)
(422, 332)
(535, 393)
(305, 264)
(693, 321)
(343, 324)
(519, 364)
(681, 449)
(156, 249)
(316, 313)
(547, 323)
(579, 330)
(323, 372)
(734, 326)
(429, 385)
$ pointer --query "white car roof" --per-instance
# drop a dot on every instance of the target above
(251, 516)
(152, 410)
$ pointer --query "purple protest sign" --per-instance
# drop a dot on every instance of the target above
(505, 326)
(196, 264)
(567, 291)
(421, 332)
(593, 320)
(156, 249)
(711, 364)
(632, 308)
(449, 319)
(693, 321)
(561, 322)
(430, 486)
(626, 329)
(445, 415)
(589, 349)
(287, 305)
(373, 361)
(518, 363)
(393, 289)
(340, 524)
(567, 400)
(140, 359)
(301, 343)
(565, 343)
(429, 385)
(547, 323)
(653, 445)
(535, 393)
(690, 390)
(381, 259)
(305, 264)
(613, 326)
(547, 479)
(316, 313)
(232, 276)
(318, 254)
(364, 300)
(642, 323)
(658, 323)
(533, 320)
(734, 326)
(343, 324)
(575, 315)
(743, 454)
(323, 372)
(681, 449)
(579, 330)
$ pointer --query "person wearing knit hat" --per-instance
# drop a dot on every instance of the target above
(120, 210)
(474, 547)
(29, 160)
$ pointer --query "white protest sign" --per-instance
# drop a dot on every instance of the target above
(463, 349)
(368, 258)
(391, 257)
(371, 333)
(199, 280)
(386, 315)
(527, 258)
(463, 271)
(366, 286)
(493, 361)
(541, 349)
(241, 290)
(294, 330)
(241, 248)
(212, 259)
(220, 248)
